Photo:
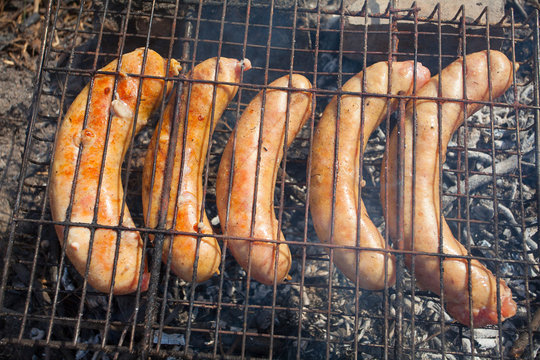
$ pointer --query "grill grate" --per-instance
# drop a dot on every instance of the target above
(47, 309)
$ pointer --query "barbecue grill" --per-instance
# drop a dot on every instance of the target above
(489, 187)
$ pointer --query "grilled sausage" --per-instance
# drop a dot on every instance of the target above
(425, 219)
(187, 197)
(370, 270)
(236, 213)
(88, 143)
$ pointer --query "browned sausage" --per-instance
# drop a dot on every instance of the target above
(70, 136)
(201, 121)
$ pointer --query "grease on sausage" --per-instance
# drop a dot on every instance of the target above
(236, 213)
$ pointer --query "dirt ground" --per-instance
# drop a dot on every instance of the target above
(21, 28)
(15, 102)
(20, 32)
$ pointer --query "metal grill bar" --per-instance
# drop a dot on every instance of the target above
(145, 235)
(162, 218)
(362, 120)
(400, 265)
(245, 309)
(284, 171)
(311, 123)
(414, 115)
(195, 49)
(494, 182)
(232, 316)
(466, 164)
(536, 72)
(224, 251)
(334, 180)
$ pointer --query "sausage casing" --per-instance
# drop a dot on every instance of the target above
(425, 219)
(370, 264)
(236, 214)
(185, 199)
(69, 138)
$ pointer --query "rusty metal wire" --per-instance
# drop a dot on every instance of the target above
(48, 309)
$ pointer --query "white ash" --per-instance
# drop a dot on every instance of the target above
(215, 221)
(37, 334)
(486, 338)
(170, 339)
(96, 301)
(67, 283)
(81, 354)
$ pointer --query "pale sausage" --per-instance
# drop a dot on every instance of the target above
(425, 219)
(236, 214)
(368, 266)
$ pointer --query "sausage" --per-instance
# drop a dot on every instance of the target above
(236, 214)
(370, 269)
(187, 197)
(425, 219)
(88, 144)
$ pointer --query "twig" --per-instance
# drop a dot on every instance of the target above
(434, 335)
(501, 168)
(14, 16)
(519, 7)
(480, 156)
(476, 181)
(123, 335)
(508, 214)
(523, 340)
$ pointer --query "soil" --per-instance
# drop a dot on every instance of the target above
(20, 32)
(15, 101)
